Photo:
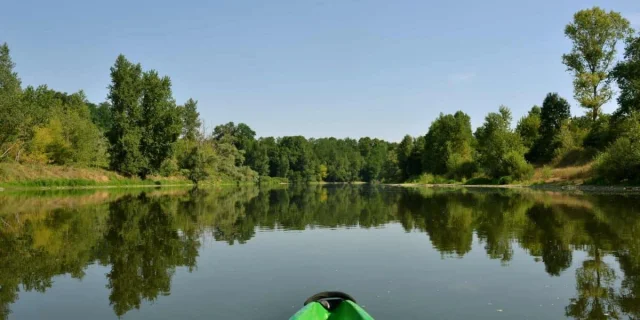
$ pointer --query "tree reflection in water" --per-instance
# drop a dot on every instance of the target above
(144, 237)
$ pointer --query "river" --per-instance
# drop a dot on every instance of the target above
(252, 253)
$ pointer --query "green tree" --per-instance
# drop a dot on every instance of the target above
(621, 160)
(627, 76)
(414, 163)
(554, 113)
(125, 134)
(11, 115)
(197, 162)
(101, 115)
(405, 147)
(594, 33)
(374, 154)
(190, 120)
(257, 158)
(448, 145)
(501, 150)
(241, 135)
(146, 120)
(555, 110)
(529, 127)
(161, 123)
(300, 159)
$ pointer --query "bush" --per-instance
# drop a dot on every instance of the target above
(516, 166)
(168, 167)
(266, 180)
(428, 178)
(505, 180)
(480, 181)
(460, 167)
(546, 172)
(620, 162)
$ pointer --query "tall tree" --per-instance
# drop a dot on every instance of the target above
(10, 112)
(257, 158)
(241, 135)
(190, 120)
(594, 33)
(627, 75)
(404, 154)
(101, 115)
(529, 127)
(161, 123)
(374, 153)
(125, 93)
(555, 111)
(448, 144)
(300, 160)
(501, 150)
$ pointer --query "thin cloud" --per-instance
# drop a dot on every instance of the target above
(461, 77)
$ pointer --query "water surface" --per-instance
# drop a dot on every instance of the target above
(250, 253)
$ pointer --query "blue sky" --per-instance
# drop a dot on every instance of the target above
(343, 68)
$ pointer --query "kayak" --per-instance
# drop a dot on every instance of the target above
(331, 305)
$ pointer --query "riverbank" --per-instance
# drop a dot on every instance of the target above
(541, 187)
(29, 176)
(45, 177)
(568, 178)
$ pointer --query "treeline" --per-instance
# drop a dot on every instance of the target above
(141, 130)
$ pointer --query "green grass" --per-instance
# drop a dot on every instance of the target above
(72, 183)
(482, 181)
(427, 178)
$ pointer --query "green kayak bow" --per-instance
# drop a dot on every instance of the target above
(331, 305)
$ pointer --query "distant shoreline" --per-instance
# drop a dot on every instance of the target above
(541, 187)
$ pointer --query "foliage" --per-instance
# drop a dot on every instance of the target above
(555, 111)
(501, 149)
(448, 145)
(428, 178)
(146, 120)
(599, 134)
(341, 157)
(594, 33)
(11, 113)
(101, 115)
(627, 76)
(374, 154)
(529, 127)
(125, 134)
(300, 160)
(568, 143)
(197, 163)
(190, 120)
(546, 172)
(621, 161)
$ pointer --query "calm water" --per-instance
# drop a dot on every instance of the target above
(246, 253)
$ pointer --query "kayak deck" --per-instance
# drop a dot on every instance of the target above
(347, 310)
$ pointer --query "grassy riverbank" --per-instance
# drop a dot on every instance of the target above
(49, 176)
(19, 176)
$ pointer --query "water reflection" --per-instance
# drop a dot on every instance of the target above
(144, 237)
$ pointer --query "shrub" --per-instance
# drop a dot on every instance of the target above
(516, 166)
(505, 180)
(460, 167)
(168, 167)
(621, 160)
(546, 172)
